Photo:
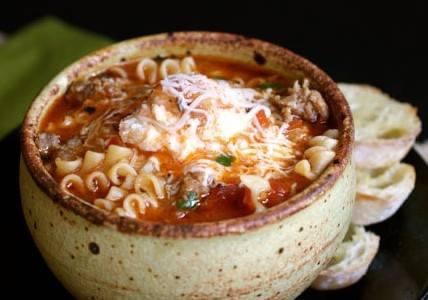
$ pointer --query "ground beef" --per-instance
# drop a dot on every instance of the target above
(104, 86)
(96, 88)
(48, 143)
(303, 102)
(194, 182)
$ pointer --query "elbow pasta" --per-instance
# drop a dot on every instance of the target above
(91, 160)
(96, 180)
(150, 184)
(148, 70)
(135, 204)
(152, 165)
(319, 155)
(72, 181)
(121, 169)
(114, 173)
(128, 182)
(115, 194)
(65, 167)
(168, 67)
(115, 154)
(187, 65)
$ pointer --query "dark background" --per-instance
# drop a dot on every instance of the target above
(385, 46)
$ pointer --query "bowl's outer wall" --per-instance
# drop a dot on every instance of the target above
(277, 261)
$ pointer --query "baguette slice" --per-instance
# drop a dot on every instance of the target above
(350, 261)
(385, 129)
(381, 192)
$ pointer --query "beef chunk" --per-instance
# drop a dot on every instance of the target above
(303, 102)
(47, 144)
(96, 88)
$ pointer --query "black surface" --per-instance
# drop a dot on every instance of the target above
(384, 46)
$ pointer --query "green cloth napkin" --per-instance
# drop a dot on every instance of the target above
(32, 57)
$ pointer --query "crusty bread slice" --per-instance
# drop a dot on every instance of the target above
(350, 261)
(381, 192)
(385, 129)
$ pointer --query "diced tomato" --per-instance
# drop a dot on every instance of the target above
(296, 123)
(280, 191)
(263, 120)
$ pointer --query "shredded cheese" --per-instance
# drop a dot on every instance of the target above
(210, 116)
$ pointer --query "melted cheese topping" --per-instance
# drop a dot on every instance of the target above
(190, 113)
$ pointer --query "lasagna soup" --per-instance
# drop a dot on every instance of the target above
(186, 139)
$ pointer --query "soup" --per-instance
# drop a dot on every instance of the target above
(186, 139)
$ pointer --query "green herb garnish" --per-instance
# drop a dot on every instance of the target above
(270, 85)
(225, 160)
(190, 201)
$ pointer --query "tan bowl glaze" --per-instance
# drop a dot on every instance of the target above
(271, 255)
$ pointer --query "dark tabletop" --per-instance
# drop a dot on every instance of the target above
(382, 46)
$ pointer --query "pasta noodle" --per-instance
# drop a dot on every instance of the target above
(169, 67)
(150, 184)
(115, 194)
(72, 181)
(147, 70)
(91, 160)
(319, 155)
(64, 167)
(96, 180)
(115, 154)
(128, 182)
(323, 141)
(152, 165)
(121, 169)
(188, 65)
(135, 204)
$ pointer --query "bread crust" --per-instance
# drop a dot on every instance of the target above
(377, 151)
(382, 192)
(352, 260)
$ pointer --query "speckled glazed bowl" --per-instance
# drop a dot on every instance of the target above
(270, 255)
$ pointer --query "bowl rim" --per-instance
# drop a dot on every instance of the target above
(262, 50)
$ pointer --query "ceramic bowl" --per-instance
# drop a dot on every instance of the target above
(275, 254)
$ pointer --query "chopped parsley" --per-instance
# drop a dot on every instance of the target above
(225, 160)
(270, 85)
(190, 201)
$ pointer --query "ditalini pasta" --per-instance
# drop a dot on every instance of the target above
(187, 139)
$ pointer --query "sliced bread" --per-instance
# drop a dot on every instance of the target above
(385, 129)
(381, 192)
(350, 261)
